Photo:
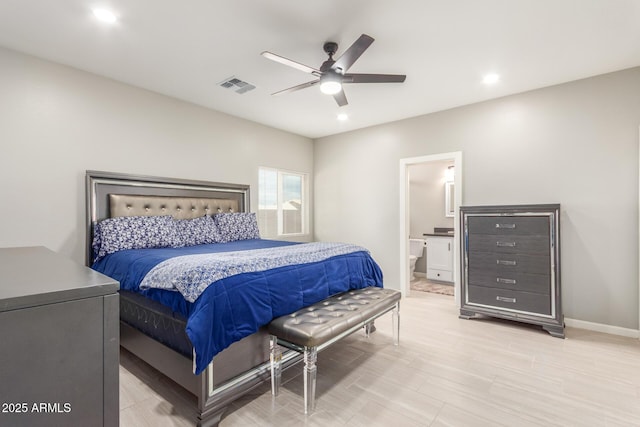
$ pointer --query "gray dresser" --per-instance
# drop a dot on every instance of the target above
(511, 264)
(59, 342)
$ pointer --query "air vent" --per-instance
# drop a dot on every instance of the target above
(237, 85)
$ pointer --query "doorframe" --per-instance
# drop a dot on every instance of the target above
(403, 240)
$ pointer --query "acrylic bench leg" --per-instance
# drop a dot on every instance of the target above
(395, 318)
(367, 329)
(310, 357)
(276, 365)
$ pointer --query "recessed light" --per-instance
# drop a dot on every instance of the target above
(105, 15)
(342, 117)
(491, 78)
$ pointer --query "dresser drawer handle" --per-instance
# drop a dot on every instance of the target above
(507, 281)
(511, 226)
(505, 299)
(506, 244)
(505, 262)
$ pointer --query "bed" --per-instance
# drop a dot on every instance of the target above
(157, 325)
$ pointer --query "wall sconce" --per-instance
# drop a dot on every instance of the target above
(449, 174)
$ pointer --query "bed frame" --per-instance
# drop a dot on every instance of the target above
(236, 370)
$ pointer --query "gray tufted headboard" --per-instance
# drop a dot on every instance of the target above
(178, 207)
(112, 194)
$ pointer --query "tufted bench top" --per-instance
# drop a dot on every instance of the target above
(314, 325)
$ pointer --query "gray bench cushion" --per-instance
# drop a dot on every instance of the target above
(318, 323)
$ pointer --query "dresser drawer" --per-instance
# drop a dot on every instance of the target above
(499, 263)
(509, 225)
(538, 283)
(533, 245)
(512, 300)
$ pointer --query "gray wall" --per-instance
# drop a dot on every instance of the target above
(57, 122)
(575, 143)
(427, 202)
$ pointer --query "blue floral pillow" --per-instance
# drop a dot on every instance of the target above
(197, 231)
(237, 226)
(134, 232)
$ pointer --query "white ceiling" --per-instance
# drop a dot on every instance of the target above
(185, 48)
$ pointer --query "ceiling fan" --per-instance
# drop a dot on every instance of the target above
(333, 73)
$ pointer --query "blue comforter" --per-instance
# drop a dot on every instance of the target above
(237, 306)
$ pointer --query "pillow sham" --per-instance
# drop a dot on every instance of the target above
(237, 226)
(197, 231)
(134, 232)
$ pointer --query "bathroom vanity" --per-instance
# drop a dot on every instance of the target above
(440, 256)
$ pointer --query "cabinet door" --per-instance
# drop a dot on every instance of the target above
(51, 359)
(440, 253)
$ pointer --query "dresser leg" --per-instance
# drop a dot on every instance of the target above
(554, 330)
(466, 314)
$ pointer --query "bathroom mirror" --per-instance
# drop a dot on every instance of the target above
(449, 199)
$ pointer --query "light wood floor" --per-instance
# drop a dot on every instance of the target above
(446, 372)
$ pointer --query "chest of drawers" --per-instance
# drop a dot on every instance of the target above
(59, 342)
(511, 264)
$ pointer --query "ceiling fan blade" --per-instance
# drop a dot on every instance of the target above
(291, 63)
(298, 87)
(340, 98)
(373, 78)
(353, 53)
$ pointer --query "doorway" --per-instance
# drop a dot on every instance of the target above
(456, 158)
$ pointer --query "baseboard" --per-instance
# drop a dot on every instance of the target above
(418, 274)
(599, 327)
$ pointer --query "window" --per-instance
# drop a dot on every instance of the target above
(282, 203)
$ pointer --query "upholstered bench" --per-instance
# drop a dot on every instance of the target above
(313, 328)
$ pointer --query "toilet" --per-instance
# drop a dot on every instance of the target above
(416, 249)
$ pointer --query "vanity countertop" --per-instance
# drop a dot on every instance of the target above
(441, 232)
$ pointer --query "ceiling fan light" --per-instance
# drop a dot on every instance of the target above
(330, 87)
